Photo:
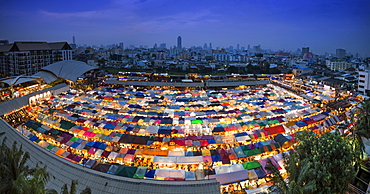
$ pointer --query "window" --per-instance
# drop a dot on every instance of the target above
(362, 81)
(362, 75)
(361, 86)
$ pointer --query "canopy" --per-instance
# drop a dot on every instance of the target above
(232, 177)
(126, 171)
(164, 173)
(275, 130)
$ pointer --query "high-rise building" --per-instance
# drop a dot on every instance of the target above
(121, 45)
(73, 45)
(27, 58)
(341, 53)
(205, 46)
(210, 46)
(364, 82)
(163, 46)
(179, 43)
(305, 50)
(237, 47)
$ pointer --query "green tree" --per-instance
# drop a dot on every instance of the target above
(363, 118)
(72, 189)
(320, 165)
(297, 180)
(16, 176)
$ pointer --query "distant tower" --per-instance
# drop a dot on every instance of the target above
(73, 45)
(179, 45)
(305, 50)
(121, 45)
(237, 47)
(210, 46)
(341, 53)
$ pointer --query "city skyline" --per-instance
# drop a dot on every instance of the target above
(277, 25)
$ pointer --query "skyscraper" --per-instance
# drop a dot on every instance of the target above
(305, 50)
(179, 44)
(205, 46)
(73, 45)
(341, 53)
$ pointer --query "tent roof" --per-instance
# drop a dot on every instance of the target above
(16, 103)
(68, 69)
(17, 80)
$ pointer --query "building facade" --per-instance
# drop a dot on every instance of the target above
(179, 42)
(364, 82)
(335, 65)
(27, 58)
(341, 53)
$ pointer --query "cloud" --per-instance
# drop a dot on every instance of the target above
(75, 15)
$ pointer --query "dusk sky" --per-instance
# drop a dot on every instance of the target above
(322, 25)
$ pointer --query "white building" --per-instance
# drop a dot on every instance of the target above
(337, 65)
(364, 82)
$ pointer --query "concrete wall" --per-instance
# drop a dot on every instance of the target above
(65, 171)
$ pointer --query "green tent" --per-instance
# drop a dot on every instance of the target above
(140, 172)
(251, 165)
(73, 139)
(50, 147)
(245, 148)
(239, 118)
(126, 171)
(196, 122)
(55, 132)
(66, 124)
(252, 152)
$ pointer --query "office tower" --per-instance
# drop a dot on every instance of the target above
(210, 46)
(155, 46)
(205, 46)
(305, 50)
(163, 46)
(73, 45)
(237, 47)
(27, 58)
(121, 45)
(341, 53)
(179, 44)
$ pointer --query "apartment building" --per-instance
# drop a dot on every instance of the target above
(337, 65)
(27, 58)
(364, 82)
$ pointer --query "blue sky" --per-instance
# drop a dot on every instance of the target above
(276, 24)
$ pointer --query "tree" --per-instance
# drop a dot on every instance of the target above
(16, 176)
(298, 175)
(72, 189)
(363, 118)
(320, 165)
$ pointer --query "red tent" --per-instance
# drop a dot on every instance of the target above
(275, 130)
